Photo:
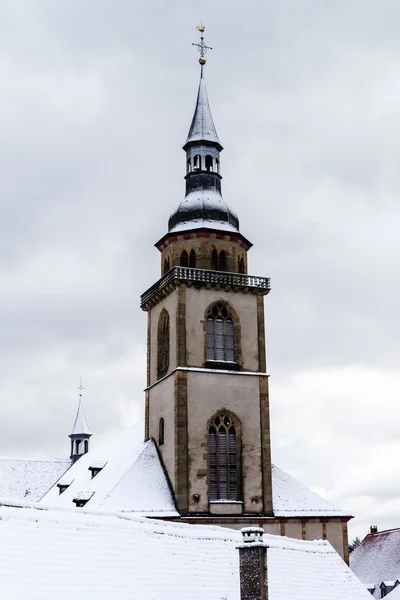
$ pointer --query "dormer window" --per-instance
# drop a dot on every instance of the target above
(63, 485)
(95, 468)
(82, 499)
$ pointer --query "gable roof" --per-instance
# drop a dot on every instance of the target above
(101, 556)
(132, 478)
(293, 499)
(30, 479)
(377, 558)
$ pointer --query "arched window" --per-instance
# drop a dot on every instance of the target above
(197, 162)
(188, 166)
(77, 446)
(166, 266)
(192, 259)
(163, 343)
(224, 458)
(209, 162)
(184, 262)
(220, 342)
(222, 261)
(214, 260)
(161, 432)
(240, 265)
(217, 164)
(86, 446)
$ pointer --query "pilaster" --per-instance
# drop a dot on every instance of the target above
(265, 446)
(181, 442)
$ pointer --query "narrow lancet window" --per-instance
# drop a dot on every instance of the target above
(214, 260)
(166, 266)
(209, 162)
(161, 432)
(222, 261)
(184, 259)
(163, 344)
(192, 259)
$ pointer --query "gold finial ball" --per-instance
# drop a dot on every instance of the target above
(202, 61)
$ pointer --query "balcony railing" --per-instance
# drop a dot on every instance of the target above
(204, 277)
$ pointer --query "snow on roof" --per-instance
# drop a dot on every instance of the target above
(132, 478)
(64, 553)
(204, 202)
(293, 499)
(29, 478)
(202, 127)
(393, 595)
(377, 559)
(80, 425)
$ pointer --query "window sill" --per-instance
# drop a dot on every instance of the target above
(226, 507)
(221, 364)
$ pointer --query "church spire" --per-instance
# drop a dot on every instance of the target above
(203, 205)
(202, 127)
(80, 433)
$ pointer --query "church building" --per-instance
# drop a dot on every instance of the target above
(206, 454)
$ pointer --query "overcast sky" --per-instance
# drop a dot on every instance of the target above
(96, 101)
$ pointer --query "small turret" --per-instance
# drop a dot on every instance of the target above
(80, 434)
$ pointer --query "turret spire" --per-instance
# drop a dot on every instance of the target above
(80, 433)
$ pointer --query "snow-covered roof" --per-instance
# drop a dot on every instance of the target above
(80, 425)
(202, 127)
(132, 478)
(377, 559)
(293, 499)
(52, 553)
(394, 594)
(29, 478)
(203, 208)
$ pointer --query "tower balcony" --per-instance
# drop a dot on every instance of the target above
(204, 278)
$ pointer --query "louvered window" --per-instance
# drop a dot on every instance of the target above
(223, 459)
(163, 343)
(220, 334)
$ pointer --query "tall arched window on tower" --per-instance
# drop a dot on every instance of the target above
(192, 259)
(220, 343)
(209, 162)
(184, 261)
(163, 344)
(224, 457)
(240, 264)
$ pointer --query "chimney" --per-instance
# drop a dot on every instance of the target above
(253, 565)
(373, 529)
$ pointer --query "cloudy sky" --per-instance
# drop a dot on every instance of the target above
(96, 100)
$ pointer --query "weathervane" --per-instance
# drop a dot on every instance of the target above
(80, 388)
(202, 48)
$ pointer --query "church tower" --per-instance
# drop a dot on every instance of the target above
(207, 404)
